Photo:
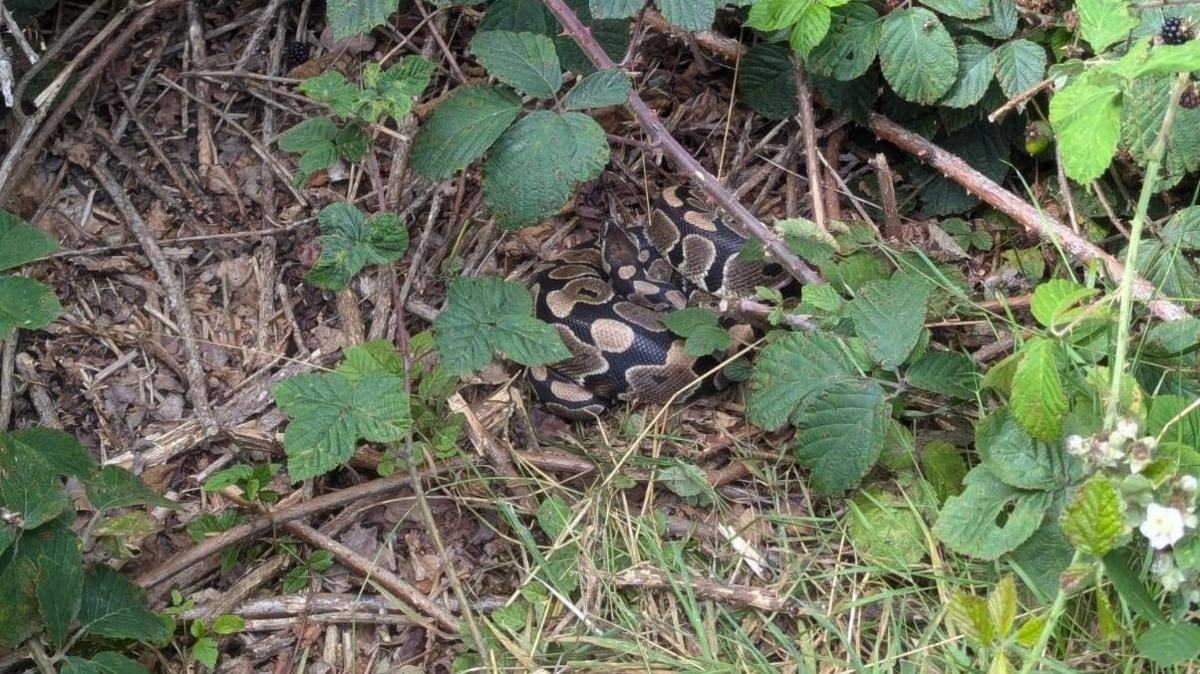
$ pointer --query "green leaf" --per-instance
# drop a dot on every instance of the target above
(1118, 567)
(1170, 643)
(114, 607)
(1014, 457)
(769, 15)
(789, 370)
(945, 372)
(690, 15)
(810, 29)
(970, 617)
(391, 92)
(521, 16)
(1140, 124)
(57, 451)
(55, 553)
(32, 462)
(129, 525)
(349, 242)
(943, 466)
(613, 36)
(918, 57)
(598, 90)
(687, 481)
(25, 303)
(1169, 59)
(227, 623)
(888, 316)
(1175, 336)
(976, 65)
(701, 329)
(968, 523)
(840, 433)
(1043, 558)
(315, 140)
(766, 81)
(1183, 229)
(1020, 64)
(461, 129)
(525, 61)
(115, 487)
(553, 516)
(329, 414)
(534, 166)
(1103, 22)
(108, 662)
(486, 314)
(205, 652)
(352, 17)
(331, 88)
(1002, 605)
(1092, 519)
(1087, 124)
(1054, 302)
(851, 44)
(1038, 399)
(960, 9)
(374, 357)
(885, 531)
(21, 242)
(615, 9)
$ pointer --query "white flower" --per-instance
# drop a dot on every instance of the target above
(1108, 454)
(1172, 579)
(1163, 526)
(1189, 483)
(1127, 427)
(1139, 456)
(1076, 445)
(1117, 438)
(1189, 520)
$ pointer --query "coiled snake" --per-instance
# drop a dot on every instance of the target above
(606, 303)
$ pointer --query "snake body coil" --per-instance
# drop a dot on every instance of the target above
(606, 302)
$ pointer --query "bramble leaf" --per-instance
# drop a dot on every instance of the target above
(884, 530)
(690, 15)
(27, 304)
(766, 81)
(968, 521)
(888, 316)
(840, 433)
(462, 128)
(1170, 643)
(918, 57)
(1014, 457)
(331, 88)
(391, 92)
(1020, 64)
(945, 372)
(851, 44)
(1092, 519)
(353, 17)
(1038, 399)
(615, 9)
(976, 65)
(1055, 301)
(598, 90)
(700, 327)
(533, 167)
(810, 29)
(769, 15)
(789, 370)
(969, 615)
(349, 242)
(489, 314)
(960, 9)
(112, 606)
(1183, 229)
(1103, 22)
(115, 487)
(21, 242)
(1087, 124)
(525, 61)
(329, 415)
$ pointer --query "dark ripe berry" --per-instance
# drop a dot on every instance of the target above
(1191, 97)
(1173, 31)
(297, 53)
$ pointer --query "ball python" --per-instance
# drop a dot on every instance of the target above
(606, 298)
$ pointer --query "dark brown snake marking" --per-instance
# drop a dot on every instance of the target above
(606, 301)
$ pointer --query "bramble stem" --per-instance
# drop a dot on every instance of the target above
(1125, 316)
(1034, 656)
(582, 35)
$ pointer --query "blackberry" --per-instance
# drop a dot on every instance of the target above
(1191, 97)
(1173, 31)
(297, 53)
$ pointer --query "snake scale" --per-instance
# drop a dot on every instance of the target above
(606, 301)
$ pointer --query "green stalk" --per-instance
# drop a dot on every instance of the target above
(1125, 318)
(1034, 657)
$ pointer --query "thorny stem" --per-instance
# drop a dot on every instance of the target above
(1125, 317)
(582, 35)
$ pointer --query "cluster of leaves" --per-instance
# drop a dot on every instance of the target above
(204, 645)
(322, 140)
(46, 590)
(532, 163)
(349, 241)
(24, 303)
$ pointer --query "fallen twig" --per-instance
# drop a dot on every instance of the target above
(1033, 220)
(808, 129)
(703, 179)
(650, 578)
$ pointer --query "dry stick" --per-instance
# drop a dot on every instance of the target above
(152, 579)
(8, 358)
(37, 392)
(1019, 99)
(647, 577)
(138, 171)
(887, 197)
(706, 181)
(197, 388)
(833, 147)
(6, 76)
(18, 35)
(260, 31)
(206, 153)
(1034, 221)
(809, 129)
(24, 150)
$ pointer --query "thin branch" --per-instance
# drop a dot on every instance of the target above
(700, 176)
(808, 128)
(1043, 225)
